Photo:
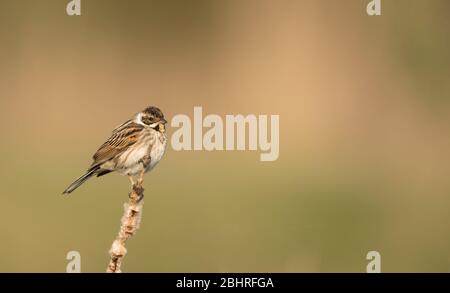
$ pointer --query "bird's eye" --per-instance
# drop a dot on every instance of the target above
(147, 120)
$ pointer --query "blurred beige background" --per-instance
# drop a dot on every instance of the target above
(364, 134)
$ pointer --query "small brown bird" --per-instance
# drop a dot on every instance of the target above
(134, 148)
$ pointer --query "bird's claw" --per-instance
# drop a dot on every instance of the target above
(137, 190)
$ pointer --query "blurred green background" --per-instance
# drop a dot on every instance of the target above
(364, 106)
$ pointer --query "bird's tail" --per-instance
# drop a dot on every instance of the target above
(80, 180)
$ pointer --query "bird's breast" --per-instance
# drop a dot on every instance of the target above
(157, 151)
(151, 145)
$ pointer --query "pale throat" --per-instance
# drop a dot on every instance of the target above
(138, 119)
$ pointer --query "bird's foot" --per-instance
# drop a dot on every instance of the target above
(145, 161)
(137, 193)
(140, 179)
(131, 180)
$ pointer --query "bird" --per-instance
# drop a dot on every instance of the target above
(134, 148)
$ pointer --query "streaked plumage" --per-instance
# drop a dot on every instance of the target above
(135, 147)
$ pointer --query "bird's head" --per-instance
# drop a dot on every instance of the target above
(153, 117)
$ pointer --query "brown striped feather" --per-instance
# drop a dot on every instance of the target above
(121, 139)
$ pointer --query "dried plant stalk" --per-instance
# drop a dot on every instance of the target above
(129, 225)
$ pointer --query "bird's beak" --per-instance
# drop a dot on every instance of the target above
(163, 121)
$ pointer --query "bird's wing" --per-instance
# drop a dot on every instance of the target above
(121, 139)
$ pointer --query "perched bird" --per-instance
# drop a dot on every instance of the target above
(135, 147)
